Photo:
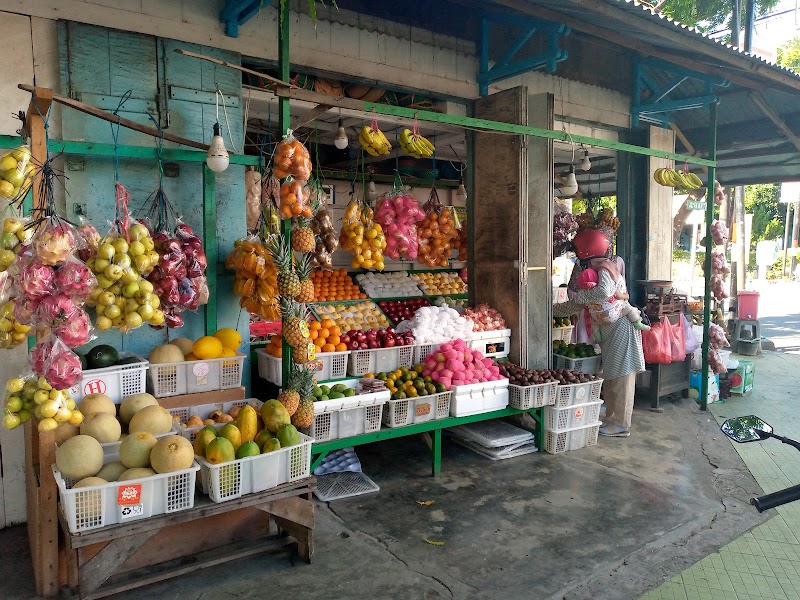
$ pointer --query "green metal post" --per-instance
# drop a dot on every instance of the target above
(436, 451)
(210, 241)
(284, 124)
(712, 175)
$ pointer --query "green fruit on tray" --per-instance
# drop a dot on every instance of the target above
(102, 356)
(573, 350)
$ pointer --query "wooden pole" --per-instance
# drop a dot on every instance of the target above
(38, 109)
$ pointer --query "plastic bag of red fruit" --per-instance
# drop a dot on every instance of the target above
(402, 310)
(371, 339)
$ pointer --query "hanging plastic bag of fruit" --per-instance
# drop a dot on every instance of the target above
(252, 197)
(436, 233)
(16, 235)
(326, 241)
(91, 238)
(255, 277)
(398, 213)
(17, 171)
(27, 395)
(362, 236)
(52, 359)
(294, 201)
(460, 242)
(292, 158)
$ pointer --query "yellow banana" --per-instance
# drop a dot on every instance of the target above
(658, 176)
(695, 180)
(425, 142)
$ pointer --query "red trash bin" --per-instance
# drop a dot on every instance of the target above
(748, 305)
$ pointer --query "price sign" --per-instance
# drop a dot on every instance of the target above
(696, 204)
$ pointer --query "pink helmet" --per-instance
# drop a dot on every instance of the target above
(590, 243)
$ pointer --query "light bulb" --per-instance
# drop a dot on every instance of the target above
(372, 192)
(461, 193)
(341, 141)
(586, 164)
(217, 157)
(570, 186)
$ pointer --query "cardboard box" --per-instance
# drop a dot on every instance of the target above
(695, 381)
(743, 378)
(203, 398)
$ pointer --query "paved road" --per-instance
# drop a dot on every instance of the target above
(779, 314)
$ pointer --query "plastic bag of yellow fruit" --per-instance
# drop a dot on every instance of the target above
(15, 236)
(17, 171)
(363, 237)
(256, 279)
(12, 332)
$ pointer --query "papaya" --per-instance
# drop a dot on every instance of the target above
(248, 449)
(247, 422)
(232, 434)
(220, 450)
(270, 445)
(262, 437)
(204, 437)
(274, 415)
(288, 436)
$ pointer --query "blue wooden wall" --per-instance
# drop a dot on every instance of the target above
(99, 66)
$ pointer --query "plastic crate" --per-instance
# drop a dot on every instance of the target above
(422, 350)
(327, 365)
(590, 365)
(242, 476)
(479, 398)
(411, 411)
(346, 417)
(560, 295)
(532, 396)
(577, 415)
(203, 411)
(563, 333)
(380, 360)
(578, 393)
(195, 376)
(115, 382)
(491, 343)
(573, 439)
(97, 506)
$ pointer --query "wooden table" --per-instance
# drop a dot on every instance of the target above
(121, 557)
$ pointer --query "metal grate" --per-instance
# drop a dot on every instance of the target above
(335, 486)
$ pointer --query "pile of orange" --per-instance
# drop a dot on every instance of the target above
(436, 234)
(335, 285)
(326, 336)
(275, 348)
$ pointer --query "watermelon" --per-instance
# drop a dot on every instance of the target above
(102, 356)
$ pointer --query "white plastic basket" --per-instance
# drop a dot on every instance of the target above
(577, 415)
(422, 350)
(563, 333)
(242, 476)
(491, 343)
(573, 439)
(380, 360)
(590, 365)
(115, 382)
(479, 398)
(411, 411)
(578, 393)
(346, 417)
(204, 411)
(327, 366)
(121, 502)
(195, 376)
(532, 396)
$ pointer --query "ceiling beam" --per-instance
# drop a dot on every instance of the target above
(761, 102)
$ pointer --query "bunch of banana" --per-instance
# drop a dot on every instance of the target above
(416, 145)
(677, 179)
(373, 141)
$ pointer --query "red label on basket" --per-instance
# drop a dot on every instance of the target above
(314, 366)
(579, 413)
(201, 369)
(129, 494)
(94, 386)
(423, 409)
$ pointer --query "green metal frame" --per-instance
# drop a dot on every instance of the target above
(284, 124)
(319, 451)
(712, 176)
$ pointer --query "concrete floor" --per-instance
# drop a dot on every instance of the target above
(608, 522)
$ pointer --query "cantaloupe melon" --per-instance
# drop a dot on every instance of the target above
(133, 404)
(166, 353)
(134, 451)
(65, 431)
(136, 473)
(184, 344)
(153, 419)
(101, 426)
(89, 481)
(112, 470)
(97, 403)
(172, 453)
(79, 457)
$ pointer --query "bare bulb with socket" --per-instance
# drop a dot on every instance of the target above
(217, 157)
(570, 186)
(586, 164)
(341, 141)
(461, 193)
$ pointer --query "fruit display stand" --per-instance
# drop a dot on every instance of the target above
(349, 416)
(330, 366)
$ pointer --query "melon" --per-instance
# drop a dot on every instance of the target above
(153, 419)
(101, 426)
(133, 404)
(172, 453)
(79, 457)
(184, 344)
(86, 482)
(134, 451)
(166, 353)
(97, 403)
(136, 473)
(65, 431)
(111, 471)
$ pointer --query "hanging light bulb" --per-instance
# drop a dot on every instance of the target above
(586, 164)
(341, 141)
(217, 157)
(461, 193)
(372, 192)
(570, 186)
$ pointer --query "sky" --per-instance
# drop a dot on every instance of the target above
(776, 30)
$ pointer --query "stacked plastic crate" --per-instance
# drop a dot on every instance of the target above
(573, 422)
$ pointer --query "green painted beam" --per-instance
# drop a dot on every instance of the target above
(210, 244)
(284, 123)
(487, 125)
(712, 175)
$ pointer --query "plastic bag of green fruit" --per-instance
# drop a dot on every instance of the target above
(16, 234)
(28, 395)
(17, 171)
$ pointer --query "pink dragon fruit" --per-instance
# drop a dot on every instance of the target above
(75, 331)
(36, 280)
(41, 351)
(54, 310)
(64, 367)
(25, 309)
(76, 280)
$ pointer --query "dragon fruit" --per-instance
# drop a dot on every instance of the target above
(54, 310)
(55, 243)
(75, 331)
(76, 280)
(63, 370)
(36, 280)
(39, 354)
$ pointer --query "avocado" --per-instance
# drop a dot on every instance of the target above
(339, 388)
(102, 356)
(335, 395)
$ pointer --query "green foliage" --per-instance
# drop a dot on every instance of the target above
(707, 15)
(768, 217)
(789, 54)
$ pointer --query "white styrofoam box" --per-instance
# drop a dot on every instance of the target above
(563, 333)
(559, 295)
(195, 376)
(204, 411)
(380, 360)
(590, 365)
(577, 415)
(115, 382)
(578, 393)
(532, 396)
(252, 474)
(327, 366)
(411, 411)
(115, 502)
(479, 398)
(572, 439)
(491, 343)
(346, 417)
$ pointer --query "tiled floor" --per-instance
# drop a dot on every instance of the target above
(764, 562)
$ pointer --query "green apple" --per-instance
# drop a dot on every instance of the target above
(104, 323)
(24, 415)
(8, 162)
(144, 297)
(116, 289)
(142, 263)
(155, 301)
(101, 264)
(157, 318)
(29, 389)
(9, 241)
(103, 282)
(146, 312)
(14, 177)
(129, 276)
(153, 257)
(7, 189)
(14, 403)
(11, 225)
(6, 325)
(120, 245)
(41, 396)
(49, 409)
(129, 291)
(19, 337)
(119, 322)
(138, 232)
(136, 249)
(113, 272)
(123, 260)
(106, 250)
(21, 153)
(149, 244)
(131, 305)
(146, 286)
(112, 312)
(63, 415)
(106, 298)
(25, 234)
(6, 257)
(11, 420)
(7, 312)
(133, 320)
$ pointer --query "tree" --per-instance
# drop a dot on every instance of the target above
(762, 201)
(707, 15)
(789, 54)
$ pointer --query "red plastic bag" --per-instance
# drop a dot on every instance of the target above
(677, 341)
(657, 345)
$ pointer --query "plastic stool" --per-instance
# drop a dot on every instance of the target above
(746, 330)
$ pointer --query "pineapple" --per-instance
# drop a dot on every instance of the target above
(304, 353)
(295, 328)
(289, 396)
(306, 285)
(288, 282)
(303, 239)
(304, 416)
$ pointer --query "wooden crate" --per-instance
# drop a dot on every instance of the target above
(203, 398)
